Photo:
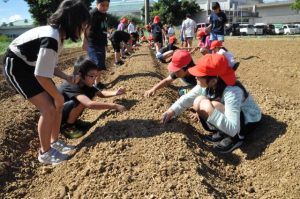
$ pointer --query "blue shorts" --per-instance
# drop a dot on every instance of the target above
(214, 36)
(97, 55)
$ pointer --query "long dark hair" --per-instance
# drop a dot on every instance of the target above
(215, 93)
(69, 17)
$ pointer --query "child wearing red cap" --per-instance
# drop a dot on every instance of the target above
(217, 47)
(156, 30)
(122, 24)
(204, 43)
(166, 52)
(178, 68)
(223, 105)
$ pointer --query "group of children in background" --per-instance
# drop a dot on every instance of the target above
(219, 102)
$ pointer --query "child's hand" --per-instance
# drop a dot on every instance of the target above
(120, 108)
(167, 116)
(194, 117)
(120, 91)
(149, 93)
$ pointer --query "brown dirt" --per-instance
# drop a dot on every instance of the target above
(132, 155)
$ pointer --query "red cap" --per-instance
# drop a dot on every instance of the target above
(180, 59)
(215, 44)
(172, 39)
(214, 65)
(150, 37)
(124, 20)
(200, 33)
(156, 19)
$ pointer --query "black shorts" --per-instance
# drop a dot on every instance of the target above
(21, 76)
(116, 45)
(157, 38)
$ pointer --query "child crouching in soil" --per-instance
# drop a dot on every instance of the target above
(178, 68)
(222, 104)
(79, 96)
(117, 38)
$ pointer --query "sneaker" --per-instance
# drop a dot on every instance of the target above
(62, 147)
(72, 132)
(53, 157)
(119, 63)
(215, 137)
(123, 57)
(83, 125)
(127, 53)
(229, 144)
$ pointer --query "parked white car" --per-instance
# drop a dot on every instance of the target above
(289, 29)
(279, 31)
(246, 29)
(259, 28)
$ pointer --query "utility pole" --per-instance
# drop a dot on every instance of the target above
(146, 12)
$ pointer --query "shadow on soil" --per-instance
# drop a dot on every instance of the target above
(265, 134)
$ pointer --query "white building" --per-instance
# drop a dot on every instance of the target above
(16, 28)
(251, 11)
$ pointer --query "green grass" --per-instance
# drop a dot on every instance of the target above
(68, 44)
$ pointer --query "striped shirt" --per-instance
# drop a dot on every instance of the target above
(39, 47)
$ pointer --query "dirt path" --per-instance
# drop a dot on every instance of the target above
(132, 155)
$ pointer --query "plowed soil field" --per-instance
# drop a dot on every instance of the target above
(132, 155)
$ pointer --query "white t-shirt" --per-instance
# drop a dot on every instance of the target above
(131, 28)
(189, 26)
(229, 56)
(171, 31)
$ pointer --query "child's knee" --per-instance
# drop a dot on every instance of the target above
(197, 102)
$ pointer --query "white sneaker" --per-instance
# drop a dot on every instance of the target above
(62, 147)
(53, 157)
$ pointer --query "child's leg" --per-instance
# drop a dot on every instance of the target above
(168, 54)
(45, 125)
(75, 113)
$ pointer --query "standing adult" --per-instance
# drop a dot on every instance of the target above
(131, 28)
(189, 28)
(217, 22)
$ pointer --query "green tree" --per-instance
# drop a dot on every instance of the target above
(296, 5)
(173, 11)
(41, 10)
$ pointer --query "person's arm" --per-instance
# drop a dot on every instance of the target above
(161, 84)
(69, 78)
(105, 94)
(229, 121)
(51, 89)
(90, 104)
(84, 38)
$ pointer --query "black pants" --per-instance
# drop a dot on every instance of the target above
(244, 130)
